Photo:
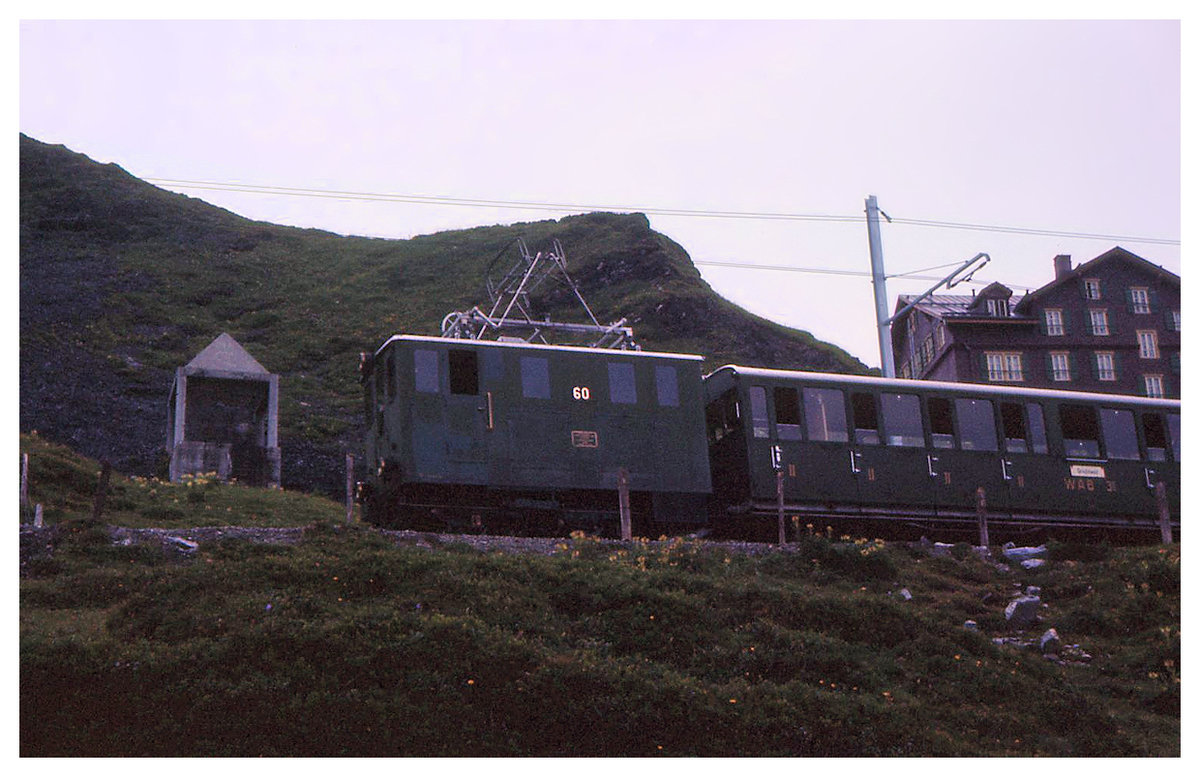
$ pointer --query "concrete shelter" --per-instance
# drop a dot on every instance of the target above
(223, 417)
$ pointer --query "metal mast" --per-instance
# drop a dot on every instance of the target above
(879, 281)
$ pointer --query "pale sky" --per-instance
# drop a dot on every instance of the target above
(1062, 126)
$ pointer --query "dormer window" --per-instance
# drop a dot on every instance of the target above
(997, 308)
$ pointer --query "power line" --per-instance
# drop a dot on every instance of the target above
(695, 213)
(833, 271)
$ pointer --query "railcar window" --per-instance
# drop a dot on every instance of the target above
(866, 419)
(535, 377)
(1013, 421)
(1173, 425)
(1156, 436)
(722, 416)
(902, 419)
(1037, 428)
(758, 411)
(941, 422)
(825, 411)
(621, 387)
(667, 384)
(464, 372)
(425, 374)
(1120, 434)
(787, 413)
(976, 424)
(1080, 432)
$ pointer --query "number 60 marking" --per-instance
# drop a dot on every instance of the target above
(581, 392)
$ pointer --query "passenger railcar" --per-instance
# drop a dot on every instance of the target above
(509, 437)
(855, 449)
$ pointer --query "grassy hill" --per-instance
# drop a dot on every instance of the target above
(357, 642)
(122, 282)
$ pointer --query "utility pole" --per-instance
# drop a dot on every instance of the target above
(887, 363)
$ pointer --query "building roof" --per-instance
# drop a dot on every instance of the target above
(1091, 268)
(226, 355)
(949, 307)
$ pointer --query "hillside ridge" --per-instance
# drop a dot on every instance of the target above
(121, 282)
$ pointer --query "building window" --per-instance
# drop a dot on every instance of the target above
(1106, 368)
(1147, 343)
(1004, 367)
(1099, 322)
(1054, 322)
(1091, 288)
(939, 334)
(927, 350)
(905, 371)
(1139, 300)
(1173, 321)
(997, 308)
(1060, 367)
(1154, 385)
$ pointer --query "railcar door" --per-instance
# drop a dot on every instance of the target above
(466, 418)
(817, 469)
(890, 460)
(1029, 470)
(967, 460)
(1160, 434)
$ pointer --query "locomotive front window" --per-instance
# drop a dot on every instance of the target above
(825, 411)
(902, 420)
(1120, 434)
(1013, 420)
(976, 424)
(787, 413)
(535, 377)
(621, 386)
(758, 411)
(667, 384)
(464, 372)
(1037, 428)
(1156, 436)
(1080, 432)
(941, 422)
(866, 419)
(425, 371)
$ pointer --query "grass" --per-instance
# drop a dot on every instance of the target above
(350, 644)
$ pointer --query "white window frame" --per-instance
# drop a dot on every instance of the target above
(1004, 366)
(1106, 366)
(1147, 343)
(1091, 288)
(1154, 386)
(997, 308)
(1175, 321)
(1060, 366)
(1098, 321)
(1054, 322)
(1139, 298)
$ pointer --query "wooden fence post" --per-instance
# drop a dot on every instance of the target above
(349, 487)
(1164, 512)
(623, 504)
(779, 505)
(101, 491)
(981, 513)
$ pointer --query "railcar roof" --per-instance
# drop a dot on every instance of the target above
(535, 346)
(963, 388)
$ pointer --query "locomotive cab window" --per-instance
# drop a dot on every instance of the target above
(666, 382)
(535, 377)
(425, 371)
(1080, 431)
(621, 386)
(787, 413)
(976, 424)
(902, 419)
(825, 411)
(464, 372)
(1155, 432)
(941, 422)
(1120, 434)
(866, 419)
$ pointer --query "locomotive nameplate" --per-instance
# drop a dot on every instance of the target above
(584, 439)
(1086, 471)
